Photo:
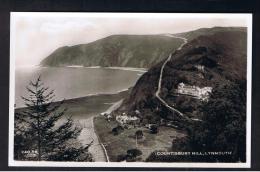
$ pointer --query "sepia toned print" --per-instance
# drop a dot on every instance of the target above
(136, 90)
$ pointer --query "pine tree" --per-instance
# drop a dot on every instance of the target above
(44, 129)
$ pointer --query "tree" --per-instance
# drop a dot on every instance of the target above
(154, 129)
(117, 130)
(132, 154)
(44, 129)
(22, 137)
(139, 134)
(224, 123)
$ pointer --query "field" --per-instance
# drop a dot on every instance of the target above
(119, 144)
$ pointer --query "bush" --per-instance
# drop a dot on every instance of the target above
(139, 134)
(134, 153)
(117, 130)
(154, 129)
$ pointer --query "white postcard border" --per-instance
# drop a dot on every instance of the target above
(12, 162)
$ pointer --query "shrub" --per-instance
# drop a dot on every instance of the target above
(117, 130)
(154, 129)
(133, 153)
(139, 134)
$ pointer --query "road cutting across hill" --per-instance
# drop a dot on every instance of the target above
(157, 94)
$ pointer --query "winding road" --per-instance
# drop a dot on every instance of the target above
(157, 94)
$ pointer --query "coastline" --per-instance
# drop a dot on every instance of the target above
(90, 96)
(100, 67)
(128, 69)
(87, 106)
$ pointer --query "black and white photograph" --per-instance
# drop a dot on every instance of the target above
(130, 89)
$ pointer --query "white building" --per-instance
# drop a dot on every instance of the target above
(124, 119)
(196, 92)
(200, 68)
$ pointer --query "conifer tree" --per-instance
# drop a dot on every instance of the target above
(43, 128)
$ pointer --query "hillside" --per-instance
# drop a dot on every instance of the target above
(209, 31)
(141, 51)
(222, 55)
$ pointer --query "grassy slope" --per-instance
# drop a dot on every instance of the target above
(222, 53)
(209, 31)
(119, 144)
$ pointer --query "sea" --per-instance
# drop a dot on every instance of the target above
(75, 81)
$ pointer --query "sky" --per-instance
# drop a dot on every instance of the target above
(34, 36)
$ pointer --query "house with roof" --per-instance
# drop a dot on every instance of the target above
(124, 119)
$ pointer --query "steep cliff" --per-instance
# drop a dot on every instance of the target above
(141, 51)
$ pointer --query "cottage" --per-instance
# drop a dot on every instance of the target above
(200, 68)
(149, 125)
(106, 115)
(125, 119)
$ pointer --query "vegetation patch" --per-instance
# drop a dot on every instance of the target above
(118, 145)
